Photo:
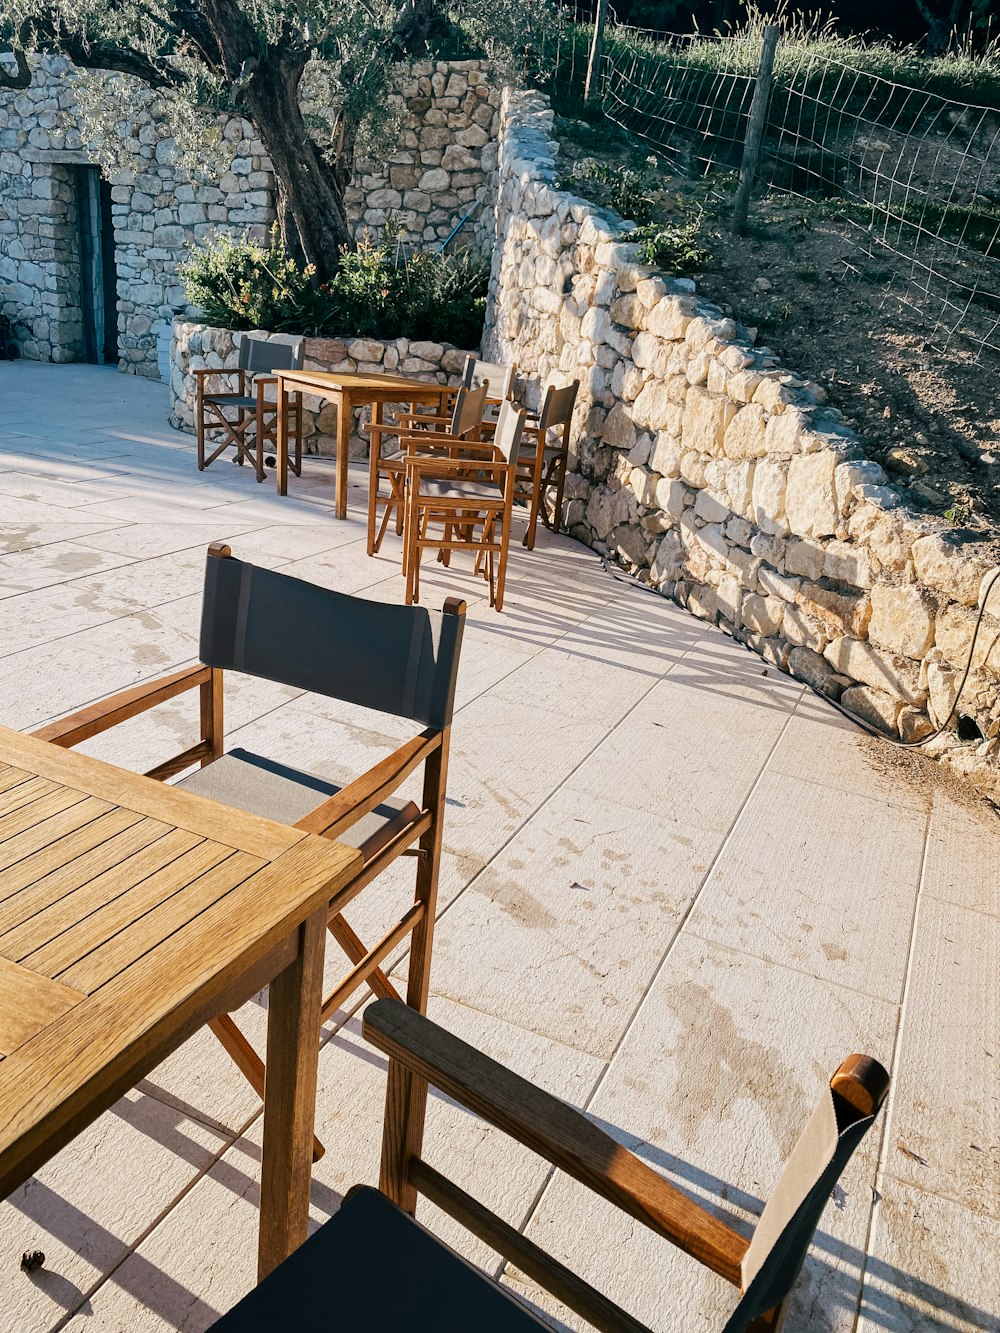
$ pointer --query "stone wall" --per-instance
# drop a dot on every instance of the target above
(199, 346)
(446, 160)
(723, 481)
(444, 166)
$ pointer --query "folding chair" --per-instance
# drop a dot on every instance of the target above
(464, 496)
(475, 373)
(371, 1255)
(257, 360)
(396, 659)
(542, 463)
(465, 424)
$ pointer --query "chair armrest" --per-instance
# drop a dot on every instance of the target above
(554, 1130)
(362, 795)
(220, 370)
(90, 721)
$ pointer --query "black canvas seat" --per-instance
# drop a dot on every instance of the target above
(337, 1281)
(263, 787)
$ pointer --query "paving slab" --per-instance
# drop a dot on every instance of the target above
(655, 845)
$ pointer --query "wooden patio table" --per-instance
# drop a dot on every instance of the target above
(348, 391)
(131, 913)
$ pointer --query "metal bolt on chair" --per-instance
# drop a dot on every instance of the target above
(258, 359)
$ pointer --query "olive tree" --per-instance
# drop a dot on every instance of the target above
(311, 75)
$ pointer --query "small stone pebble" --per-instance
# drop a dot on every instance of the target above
(32, 1260)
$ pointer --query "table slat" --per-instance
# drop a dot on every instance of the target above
(12, 778)
(74, 812)
(71, 860)
(183, 809)
(42, 926)
(29, 1003)
(92, 939)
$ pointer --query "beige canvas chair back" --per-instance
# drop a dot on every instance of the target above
(467, 414)
(557, 406)
(500, 378)
(510, 426)
(261, 356)
(791, 1215)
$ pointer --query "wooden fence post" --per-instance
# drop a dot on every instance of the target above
(596, 49)
(755, 129)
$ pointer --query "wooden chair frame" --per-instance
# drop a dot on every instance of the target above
(416, 831)
(465, 424)
(210, 414)
(502, 390)
(534, 478)
(422, 1054)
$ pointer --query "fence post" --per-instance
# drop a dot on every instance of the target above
(596, 49)
(755, 129)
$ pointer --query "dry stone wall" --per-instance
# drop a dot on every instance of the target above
(443, 169)
(722, 480)
(445, 164)
(199, 346)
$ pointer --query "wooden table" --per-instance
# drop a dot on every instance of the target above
(348, 391)
(131, 913)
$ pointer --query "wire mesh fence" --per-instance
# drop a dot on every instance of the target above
(913, 176)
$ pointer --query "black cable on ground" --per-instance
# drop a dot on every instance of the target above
(859, 721)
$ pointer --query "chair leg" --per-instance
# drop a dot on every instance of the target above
(768, 1322)
(201, 431)
(502, 555)
(248, 1062)
(559, 463)
(536, 495)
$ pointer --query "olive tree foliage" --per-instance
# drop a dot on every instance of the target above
(313, 77)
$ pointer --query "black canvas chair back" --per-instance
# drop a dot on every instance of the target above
(395, 659)
(499, 378)
(467, 414)
(262, 356)
(557, 406)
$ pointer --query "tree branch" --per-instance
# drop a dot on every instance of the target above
(21, 78)
(48, 35)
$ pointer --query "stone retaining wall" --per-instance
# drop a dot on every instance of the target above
(714, 475)
(444, 167)
(199, 346)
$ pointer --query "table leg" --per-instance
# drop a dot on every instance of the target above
(281, 443)
(345, 415)
(293, 1027)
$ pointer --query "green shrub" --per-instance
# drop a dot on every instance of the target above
(630, 192)
(378, 290)
(679, 245)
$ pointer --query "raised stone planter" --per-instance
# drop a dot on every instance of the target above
(714, 475)
(200, 346)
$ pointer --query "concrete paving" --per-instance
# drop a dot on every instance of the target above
(677, 890)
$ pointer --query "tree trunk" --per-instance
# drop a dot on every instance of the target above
(310, 199)
(940, 27)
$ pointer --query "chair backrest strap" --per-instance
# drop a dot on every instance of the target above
(557, 406)
(470, 405)
(500, 378)
(790, 1217)
(262, 356)
(509, 428)
(396, 659)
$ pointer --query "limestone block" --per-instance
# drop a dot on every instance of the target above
(693, 466)
(883, 671)
(849, 476)
(942, 686)
(595, 324)
(848, 562)
(949, 567)
(672, 496)
(434, 180)
(801, 629)
(802, 557)
(652, 407)
(730, 598)
(902, 619)
(643, 484)
(739, 487)
(778, 585)
(767, 505)
(745, 434)
(808, 666)
(706, 506)
(705, 420)
(762, 614)
(840, 612)
(669, 560)
(670, 316)
(652, 354)
(877, 708)
(630, 544)
(811, 500)
(783, 434)
(627, 310)
(953, 631)
(365, 349)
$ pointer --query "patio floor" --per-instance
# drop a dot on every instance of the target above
(678, 889)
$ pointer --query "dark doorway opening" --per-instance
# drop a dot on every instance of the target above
(98, 278)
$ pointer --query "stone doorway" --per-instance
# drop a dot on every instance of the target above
(98, 275)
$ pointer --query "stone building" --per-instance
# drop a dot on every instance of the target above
(88, 260)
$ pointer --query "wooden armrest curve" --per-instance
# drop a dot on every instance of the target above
(554, 1130)
(106, 713)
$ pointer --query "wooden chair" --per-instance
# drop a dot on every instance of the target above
(465, 424)
(475, 373)
(468, 497)
(543, 460)
(258, 359)
(394, 659)
(372, 1254)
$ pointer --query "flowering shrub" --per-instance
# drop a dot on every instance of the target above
(378, 290)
